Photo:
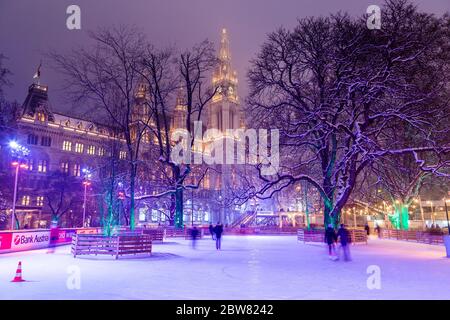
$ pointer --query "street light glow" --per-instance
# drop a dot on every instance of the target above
(13, 144)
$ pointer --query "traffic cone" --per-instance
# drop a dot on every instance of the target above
(18, 277)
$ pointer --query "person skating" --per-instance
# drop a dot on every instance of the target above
(330, 239)
(194, 235)
(211, 231)
(218, 230)
(345, 240)
(378, 229)
(367, 228)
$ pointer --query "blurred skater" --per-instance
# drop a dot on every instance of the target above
(194, 235)
(211, 231)
(367, 228)
(218, 230)
(345, 240)
(378, 230)
(330, 239)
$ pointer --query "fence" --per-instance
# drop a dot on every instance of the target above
(412, 235)
(318, 235)
(155, 234)
(89, 244)
(264, 230)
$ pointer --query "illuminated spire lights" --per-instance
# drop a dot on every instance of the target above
(225, 78)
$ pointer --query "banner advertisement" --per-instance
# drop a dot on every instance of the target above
(34, 239)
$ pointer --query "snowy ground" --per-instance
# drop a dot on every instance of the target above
(248, 267)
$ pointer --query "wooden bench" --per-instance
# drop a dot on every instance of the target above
(119, 245)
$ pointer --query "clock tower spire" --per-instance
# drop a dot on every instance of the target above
(224, 109)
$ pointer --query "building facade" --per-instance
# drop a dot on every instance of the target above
(66, 152)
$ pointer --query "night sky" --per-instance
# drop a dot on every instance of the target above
(29, 28)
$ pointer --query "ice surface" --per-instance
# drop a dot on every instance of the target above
(248, 267)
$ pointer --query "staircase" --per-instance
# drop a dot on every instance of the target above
(246, 219)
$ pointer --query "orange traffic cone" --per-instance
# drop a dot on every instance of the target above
(18, 277)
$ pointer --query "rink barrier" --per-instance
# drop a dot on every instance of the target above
(183, 233)
(156, 235)
(412, 235)
(318, 236)
(33, 239)
(89, 244)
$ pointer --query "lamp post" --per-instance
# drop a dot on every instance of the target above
(86, 183)
(421, 210)
(18, 152)
(446, 213)
(121, 197)
(432, 210)
(192, 207)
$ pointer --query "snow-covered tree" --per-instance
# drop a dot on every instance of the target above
(337, 91)
(180, 79)
(108, 78)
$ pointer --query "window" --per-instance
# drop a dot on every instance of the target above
(91, 150)
(79, 147)
(101, 151)
(40, 201)
(64, 167)
(46, 141)
(26, 200)
(123, 155)
(40, 116)
(30, 164)
(133, 134)
(146, 137)
(42, 166)
(155, 215)
(32, 139)
(76, 170)
(67, 146)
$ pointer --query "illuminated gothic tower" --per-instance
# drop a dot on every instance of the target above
(224, 112)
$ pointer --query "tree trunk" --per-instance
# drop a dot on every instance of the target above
(401, 216)
(327, 218)
(179, 208)
(328, 204)
(132, 201)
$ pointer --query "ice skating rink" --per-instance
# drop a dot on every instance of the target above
(248, 267)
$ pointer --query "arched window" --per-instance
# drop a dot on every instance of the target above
(32, 139)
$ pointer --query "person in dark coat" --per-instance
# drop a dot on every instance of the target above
(194, 235)
(378, 229)
(218, 230)
(211, 230)
(330, 239)
(345, 240)
(367, 228)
